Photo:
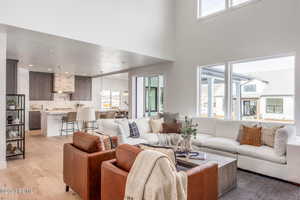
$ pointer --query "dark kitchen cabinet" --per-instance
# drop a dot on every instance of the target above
(40, 86)
(34, 120)
(11, 76)
(83, 89)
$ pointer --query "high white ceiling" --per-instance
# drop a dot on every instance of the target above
(45, 53)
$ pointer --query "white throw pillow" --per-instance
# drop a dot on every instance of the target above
(156, 125)
(124, 127)
(143, 125)
(280, 142)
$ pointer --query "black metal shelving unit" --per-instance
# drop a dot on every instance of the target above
(15, 126)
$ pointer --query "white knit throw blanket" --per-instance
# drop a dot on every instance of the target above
(154, 177)
(168, 139)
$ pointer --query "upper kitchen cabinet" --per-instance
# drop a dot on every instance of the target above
(12, 76)
(83, 89)
(40, 86)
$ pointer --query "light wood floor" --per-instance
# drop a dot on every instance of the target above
(40, 172)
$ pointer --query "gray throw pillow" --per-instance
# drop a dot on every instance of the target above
(280, 142)
(169, 117)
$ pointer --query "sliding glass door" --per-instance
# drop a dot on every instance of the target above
(149, 95)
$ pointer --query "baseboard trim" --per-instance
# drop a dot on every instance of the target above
(3, 164)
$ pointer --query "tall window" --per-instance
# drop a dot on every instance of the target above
(110, 99)
(209, 7)
(261, 89)
(212, 91)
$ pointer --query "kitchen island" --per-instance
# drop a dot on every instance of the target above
(51, 122)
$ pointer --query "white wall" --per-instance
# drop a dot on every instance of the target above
(23, 88)
(2, 100)
(263, 28)
(113, 84)
(142, 26)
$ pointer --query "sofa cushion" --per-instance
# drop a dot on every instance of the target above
(124, 127)
(152, 138)
(223, 144)
(134, 141)
(227, 129)
(262, 152)
(206, 126)
(143, 125)
(108, 127)
(86, 142)
(200, 138)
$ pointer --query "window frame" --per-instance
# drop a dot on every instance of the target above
(228, 103)
(228, 7)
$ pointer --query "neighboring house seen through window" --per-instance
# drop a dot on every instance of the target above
(274, 105)
(261, 89)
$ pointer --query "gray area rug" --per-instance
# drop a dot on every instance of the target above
(255, 187)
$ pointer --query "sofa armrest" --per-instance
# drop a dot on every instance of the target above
(293, 161)
(113, 181)
(81, 170)
(203, 182)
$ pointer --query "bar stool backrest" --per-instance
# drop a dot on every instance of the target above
(72, 117)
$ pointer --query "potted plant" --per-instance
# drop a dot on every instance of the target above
(11, 103)
(187, 131)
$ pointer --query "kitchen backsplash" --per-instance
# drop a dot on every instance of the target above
(59, 101)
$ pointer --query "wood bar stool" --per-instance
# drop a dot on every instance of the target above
(69, 123)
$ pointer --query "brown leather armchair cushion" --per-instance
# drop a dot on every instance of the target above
(126, 155)
(86, 142)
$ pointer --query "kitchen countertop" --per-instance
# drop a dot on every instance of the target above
(57, 112)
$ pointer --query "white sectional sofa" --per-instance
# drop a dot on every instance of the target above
(221, 137)
(113, 127)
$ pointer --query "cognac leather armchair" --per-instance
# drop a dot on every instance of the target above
(82, 162)
(202, 180)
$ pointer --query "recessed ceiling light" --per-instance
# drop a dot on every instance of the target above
(30, 65)
(66, 72)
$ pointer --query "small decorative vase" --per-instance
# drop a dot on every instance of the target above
(186, 144)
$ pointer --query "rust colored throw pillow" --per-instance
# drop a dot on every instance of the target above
(171, 127)
(251, 136)
(86, 142)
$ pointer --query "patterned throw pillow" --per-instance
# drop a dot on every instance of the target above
(281, 139)
(106, 142)
(134, 131)
(251, 136)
